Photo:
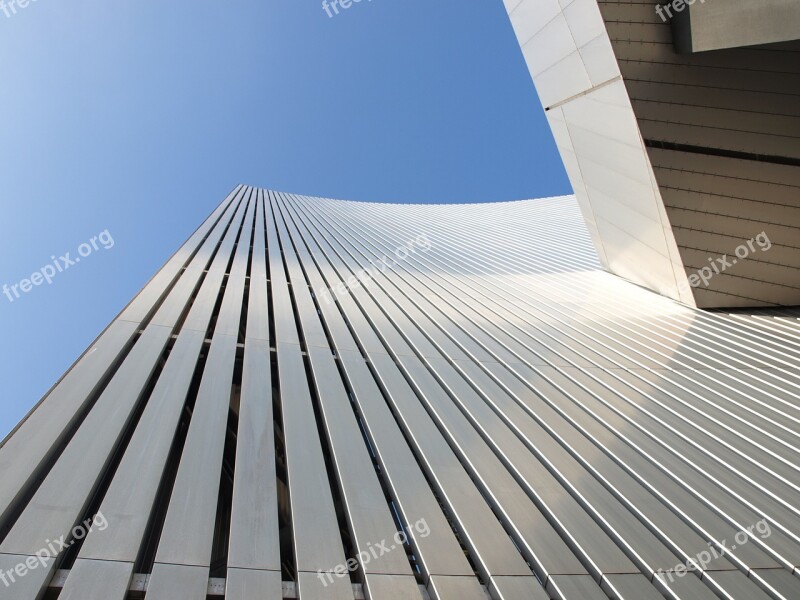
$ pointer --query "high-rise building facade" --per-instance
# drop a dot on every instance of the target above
(323, 399)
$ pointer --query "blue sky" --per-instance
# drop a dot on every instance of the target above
(138, 117)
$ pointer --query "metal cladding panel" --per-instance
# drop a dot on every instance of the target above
(62, 497)
(189, 525)
(23, 455)
(254, 530)
(98, 579)
(369, 515)
(317, 541)
(630, 587)
(247, 584)
(310, 587)
(132, 492)
(254, 510)
(169, 582)
(442, 587)
(392, 587)
(439, 551)
(516, 587)
(19, 583)
(331, 399)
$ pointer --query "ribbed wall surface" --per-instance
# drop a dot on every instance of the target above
(723, 134)
(538, 427)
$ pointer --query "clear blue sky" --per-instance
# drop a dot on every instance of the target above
(138, 117)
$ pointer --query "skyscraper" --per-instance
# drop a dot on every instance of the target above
(337, 399)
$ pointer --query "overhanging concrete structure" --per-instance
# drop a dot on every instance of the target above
(706, 25)
(676, 160)
(305, 378)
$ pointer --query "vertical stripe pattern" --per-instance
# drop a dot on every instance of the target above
(340, 400)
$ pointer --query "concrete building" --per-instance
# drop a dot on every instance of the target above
(338, 400)
(679, 126)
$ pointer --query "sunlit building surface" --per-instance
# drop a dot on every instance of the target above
(338, 400)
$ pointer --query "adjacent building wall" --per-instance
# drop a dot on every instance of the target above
(677, 160)
(716, 24)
